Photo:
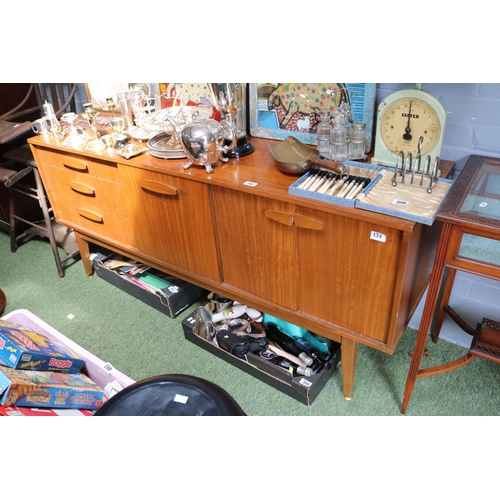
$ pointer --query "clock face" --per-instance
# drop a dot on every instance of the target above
(406, 120)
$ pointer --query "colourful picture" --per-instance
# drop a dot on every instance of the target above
(278, 110)
(297, 106)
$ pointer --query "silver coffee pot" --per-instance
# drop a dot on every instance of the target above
(203, 140)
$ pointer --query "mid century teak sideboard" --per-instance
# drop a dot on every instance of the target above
(239, 232)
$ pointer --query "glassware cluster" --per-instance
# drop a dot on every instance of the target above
(339, 137)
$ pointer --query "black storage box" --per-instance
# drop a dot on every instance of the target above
(303, 389)
(171, 300)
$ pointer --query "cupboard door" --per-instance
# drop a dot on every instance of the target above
(349, 272)
(172, 220)
(257, 245)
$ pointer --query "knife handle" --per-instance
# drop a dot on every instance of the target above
(334, 166)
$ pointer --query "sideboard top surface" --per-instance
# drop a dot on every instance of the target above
(256, 173)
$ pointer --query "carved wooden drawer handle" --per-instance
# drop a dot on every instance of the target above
(281, 217)
(307, 222)
(81, 188)
(75, 164)
(90, 215)
(158, 187)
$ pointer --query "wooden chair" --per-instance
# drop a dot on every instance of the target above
(21, 162)
(60, 95)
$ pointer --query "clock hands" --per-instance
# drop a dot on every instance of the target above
(407, 135)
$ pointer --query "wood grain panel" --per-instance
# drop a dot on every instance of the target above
(172, 220)
(346, 276)
(81, 187)
(257, 252)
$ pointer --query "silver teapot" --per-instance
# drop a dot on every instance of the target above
(203, 140)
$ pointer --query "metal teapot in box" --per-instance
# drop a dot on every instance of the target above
(203, 141)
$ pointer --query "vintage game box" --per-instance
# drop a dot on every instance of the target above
(19, 411)
(25, 349)
(46, 389)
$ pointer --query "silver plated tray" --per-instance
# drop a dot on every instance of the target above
(157, 121)
(165, 146)
(139, 134)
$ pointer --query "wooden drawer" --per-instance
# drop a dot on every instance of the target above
(89, 218)
(102, 169)
(84, 188)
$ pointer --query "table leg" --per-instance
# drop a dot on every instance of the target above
(427, 314)
(450, 279)
(84, 248)
(349, 357)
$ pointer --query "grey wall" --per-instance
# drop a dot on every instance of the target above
(472, 116)
(472, 127)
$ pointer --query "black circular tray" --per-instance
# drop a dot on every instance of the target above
(175, 395)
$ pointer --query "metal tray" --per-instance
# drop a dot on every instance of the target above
(160, 146)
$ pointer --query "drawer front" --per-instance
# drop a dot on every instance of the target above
(84, 188)
(87, 218)
(102, 169)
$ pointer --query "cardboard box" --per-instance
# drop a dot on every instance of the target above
(25, 349)
(174, 297)
(19, 411)
(45, 389)
(102, 373)
(303, 389)
(402, 205)
(405, 204)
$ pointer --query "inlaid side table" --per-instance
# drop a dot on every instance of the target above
(470, 242)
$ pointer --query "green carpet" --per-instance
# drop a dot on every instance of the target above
(142, 342)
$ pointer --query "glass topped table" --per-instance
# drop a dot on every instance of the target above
(470, 242)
